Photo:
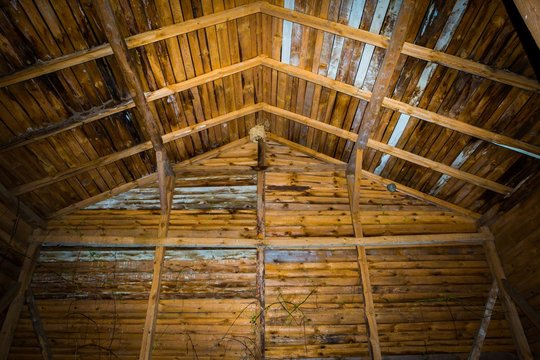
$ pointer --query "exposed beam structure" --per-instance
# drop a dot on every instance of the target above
(14, 311)
(484, 323)
(353, 183)
(145, 180)
(132, 42)
(147, 343)
(393, 241)
(148, 179)
(133, 82)
(511, 313)
(402, 154)
(43, 340)
(382, 83)
(104, 112)
(422, 114)
(175, 135)
(497, 139)
(369, 308)
(149, 37)
(420, 52)
(145, 146)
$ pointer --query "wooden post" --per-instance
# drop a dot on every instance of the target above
(43, 340)
(353, 183)
(14, 311)
(153, 300)
(484, 324)
(119, 47)
(9, 295)
(261, 322)
(520, 340)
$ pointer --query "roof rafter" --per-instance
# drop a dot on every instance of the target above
(108, 159)
(391, 150)
(175, 135)
(426, 115)
(149, 37)
(382, 83)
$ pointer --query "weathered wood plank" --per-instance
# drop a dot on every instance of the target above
(484, 324)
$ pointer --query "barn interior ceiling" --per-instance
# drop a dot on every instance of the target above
(399, 123)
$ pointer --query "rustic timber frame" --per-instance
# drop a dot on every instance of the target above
(167, 173)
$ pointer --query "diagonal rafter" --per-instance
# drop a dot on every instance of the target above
(149, 37)
(382, 83)
(165, 174)
(402, 154)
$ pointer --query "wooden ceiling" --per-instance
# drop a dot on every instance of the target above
(459, 122)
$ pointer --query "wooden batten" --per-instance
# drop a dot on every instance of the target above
(484, 324)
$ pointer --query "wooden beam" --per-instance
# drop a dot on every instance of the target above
(37, 324)
(17, 206)
(261, 164)
(14, 311)
(145, 146)
(132, 42)
(101, 112)
(439, 167)
(353, 183)
(392, 241)
(167, 32)
(530, 12)
(426, 115)
(166, 196)
(382, 83)
(399, 187)
(369, 308)
(511, 313)
(260, 343)
(153, 306)
(484, 323)
(402, 154)
(409, 49)
(518, 299)
(8, 296)
(420, 195)
(145, 180)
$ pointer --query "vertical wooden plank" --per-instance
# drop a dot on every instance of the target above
(153, 305)
(369, 309)
(484, 324)
(353, 183)
(43, 340)
(523, 349)
(153, 300)
(261, 322)
(14, 311)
